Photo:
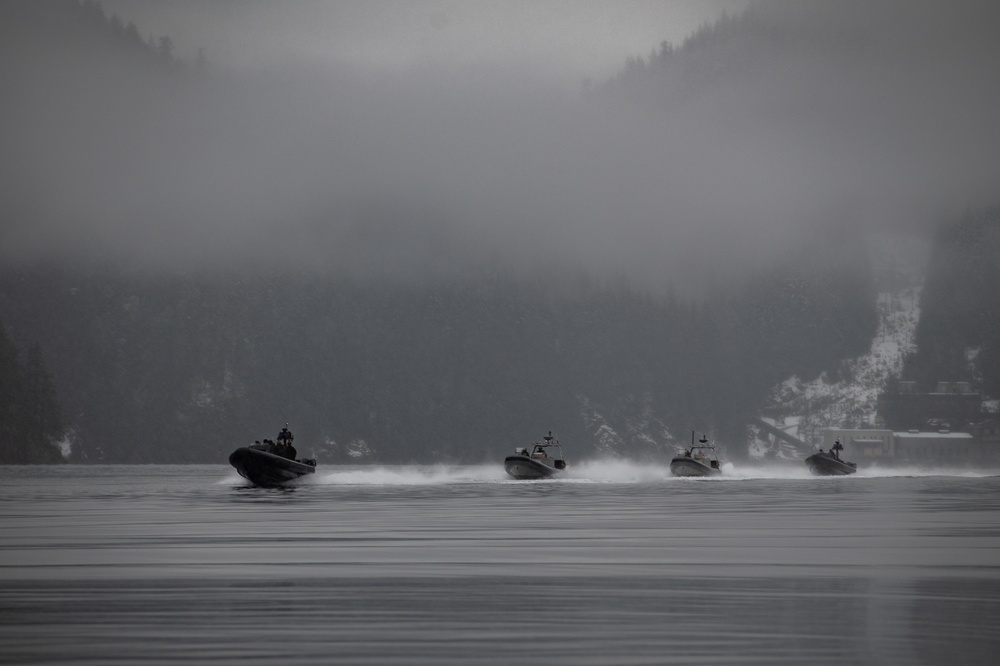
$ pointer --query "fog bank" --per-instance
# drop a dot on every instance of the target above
(796, 124)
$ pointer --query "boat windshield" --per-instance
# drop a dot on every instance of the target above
(704, 452)
(540, 451)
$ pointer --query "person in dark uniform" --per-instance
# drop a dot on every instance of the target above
(836, 449)
(285, 438)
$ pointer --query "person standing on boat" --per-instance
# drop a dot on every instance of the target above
(285, 438)
(836, 449)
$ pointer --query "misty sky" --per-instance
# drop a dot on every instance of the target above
(565, 40)
(428, 138)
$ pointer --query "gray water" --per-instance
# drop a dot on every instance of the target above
(617, 564)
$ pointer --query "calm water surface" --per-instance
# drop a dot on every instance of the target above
(619, 564)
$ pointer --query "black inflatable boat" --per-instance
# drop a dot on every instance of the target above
(270, 464)
(824, 464)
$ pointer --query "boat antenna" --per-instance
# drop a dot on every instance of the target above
(548, 438)
(703, 439)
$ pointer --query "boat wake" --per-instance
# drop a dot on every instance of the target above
(920, 471)
(615, 470)
(750, 471)
(601, 471)
(411, 475)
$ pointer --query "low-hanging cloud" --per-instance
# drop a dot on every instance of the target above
(797, 120)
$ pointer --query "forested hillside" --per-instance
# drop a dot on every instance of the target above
(958, 337)
(89, 105)
(184, 369)
(31, 422)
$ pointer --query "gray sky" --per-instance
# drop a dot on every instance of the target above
(563, 40)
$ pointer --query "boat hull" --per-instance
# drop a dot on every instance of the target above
(823, 464)
(267, 469)
(523, 467)
(684, 466)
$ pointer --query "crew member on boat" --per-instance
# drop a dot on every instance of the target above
(836, 449)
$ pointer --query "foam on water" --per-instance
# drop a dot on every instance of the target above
(915, 471)
(616, 470)
(745, 471)
(231, 479)
(599, 471)
(411, 475)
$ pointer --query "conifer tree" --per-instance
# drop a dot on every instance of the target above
(11, 381)
(42, 407)
(30, 418)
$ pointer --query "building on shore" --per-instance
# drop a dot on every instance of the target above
(862, 445)
(941, 447)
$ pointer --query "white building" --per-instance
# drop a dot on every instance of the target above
(862, 445)
(885, 446)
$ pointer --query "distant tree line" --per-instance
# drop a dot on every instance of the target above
(31, 422)
(82, 29)
(185, 369)
(958, 335)
(725, 48)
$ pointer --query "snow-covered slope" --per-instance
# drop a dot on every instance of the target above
(804, 408)
(641, 435)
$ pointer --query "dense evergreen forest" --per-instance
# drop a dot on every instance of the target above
(184, 369)
(958, 336)
(31, 422)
